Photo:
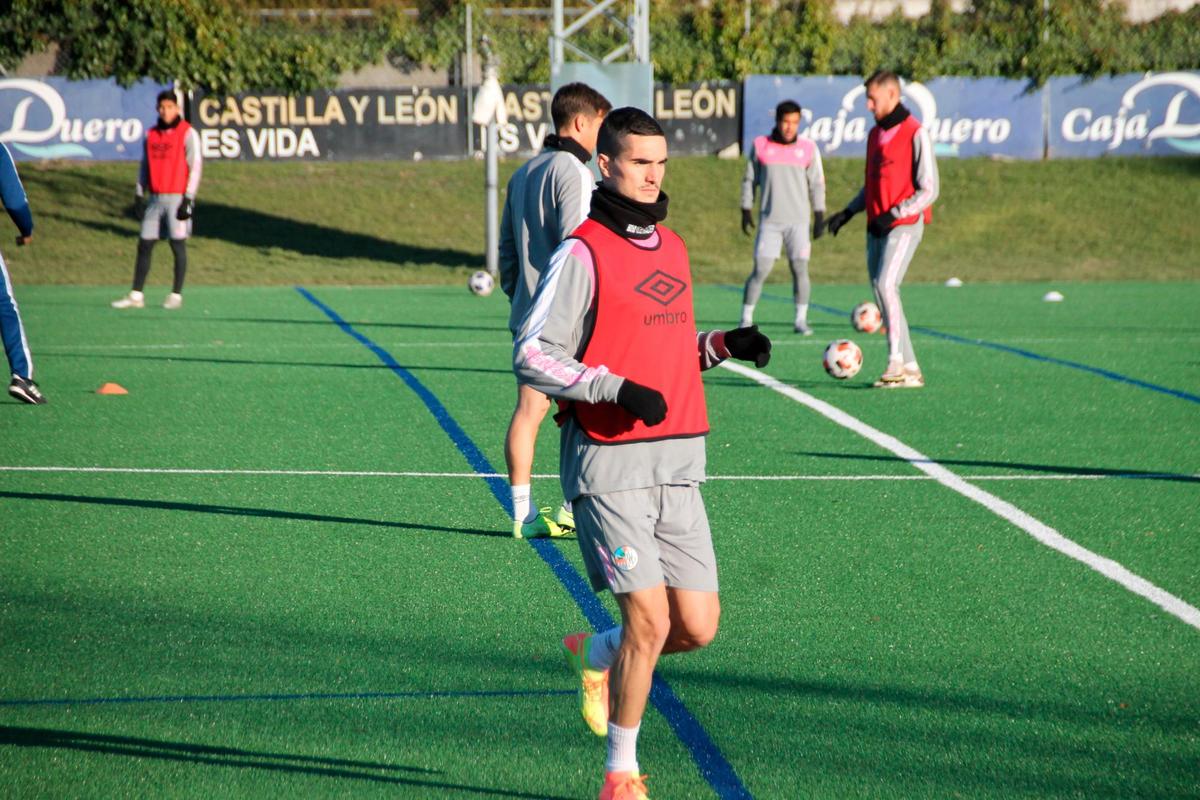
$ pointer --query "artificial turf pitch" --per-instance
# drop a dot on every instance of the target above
(258, 634)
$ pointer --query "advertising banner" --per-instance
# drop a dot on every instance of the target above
(1142, 114)
(60, 118)
(964, 116)
(698, 118)
(343, 125)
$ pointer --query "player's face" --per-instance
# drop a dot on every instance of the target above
(587, 130)
(637, 173)
(882, 99)
(788, 126)
(168, 111)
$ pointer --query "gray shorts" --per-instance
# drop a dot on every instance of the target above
(640, 538)
(160, 216)
(773, 237)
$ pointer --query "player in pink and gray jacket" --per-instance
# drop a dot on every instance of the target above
(787, 170)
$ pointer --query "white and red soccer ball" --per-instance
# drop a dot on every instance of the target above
(843, 359)
(866, 318)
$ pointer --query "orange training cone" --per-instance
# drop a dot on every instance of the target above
(112, 388)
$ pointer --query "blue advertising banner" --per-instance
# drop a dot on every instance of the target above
(60, 118)
(1142, 114)
(964, 116)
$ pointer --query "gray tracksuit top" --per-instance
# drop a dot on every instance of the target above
(546, 199)
(790, 178)
(544, 358)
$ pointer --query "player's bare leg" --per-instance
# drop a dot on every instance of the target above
(655, 621)
(519, 446)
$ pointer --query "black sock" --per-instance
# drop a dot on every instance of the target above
(142, 267)
(179, 248)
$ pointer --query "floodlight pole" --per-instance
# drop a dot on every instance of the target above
(636, 25)
(491, 69)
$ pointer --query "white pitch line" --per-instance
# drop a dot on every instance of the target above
(1002, 508)
(340, 473)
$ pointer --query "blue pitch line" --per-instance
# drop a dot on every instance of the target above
(1016, 351)
(245, 698)
(713, 765)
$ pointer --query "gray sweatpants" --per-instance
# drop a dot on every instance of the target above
(771, 240)
(888, 258)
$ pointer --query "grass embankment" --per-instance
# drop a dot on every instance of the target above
(403, 222)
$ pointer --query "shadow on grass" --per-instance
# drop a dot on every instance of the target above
(207, 755)
(1046, 469)
(247, 227)
(325, 322)
(1039, 747)
(239, 511)
(265, 363)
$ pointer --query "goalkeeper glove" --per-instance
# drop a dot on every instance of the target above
(818, 224)
(645, 403)
(747, 221)
(881, 224)
(838, 220)
(748, 344)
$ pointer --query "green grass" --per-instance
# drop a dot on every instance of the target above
(883, 638)
(406, 223)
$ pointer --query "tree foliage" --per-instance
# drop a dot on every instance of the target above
(226, 46)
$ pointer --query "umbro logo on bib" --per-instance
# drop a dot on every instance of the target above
(661, 287)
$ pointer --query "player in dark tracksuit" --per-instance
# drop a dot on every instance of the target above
(16, 346)
(901, 185)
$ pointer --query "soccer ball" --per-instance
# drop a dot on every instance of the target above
(481, 283)
(866, 318)
(843, 359)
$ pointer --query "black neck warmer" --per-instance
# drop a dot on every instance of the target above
(898, 115)
(565, 143)
(624, 217)
(162, 126)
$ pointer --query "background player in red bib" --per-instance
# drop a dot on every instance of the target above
(611, 333)
(171, 171)
(901, 185)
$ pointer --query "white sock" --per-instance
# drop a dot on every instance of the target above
(622, 748)
(521, 502)
(747, 316)
(801, 313)
(136, 295)
(602, 650)
(567, 506)
(911, 366)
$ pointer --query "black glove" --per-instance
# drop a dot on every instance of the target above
(839, 219)
(645, 403)
(747, 344)
(139, 207)
(881, 224)
(818, 224)
(185, 209)
(747, 221)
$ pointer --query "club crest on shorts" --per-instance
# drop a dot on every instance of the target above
(625, 558)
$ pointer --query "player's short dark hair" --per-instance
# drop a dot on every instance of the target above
(574, 99)
(166, 95)
(785, 108)
(880, 77)
(625, 122)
